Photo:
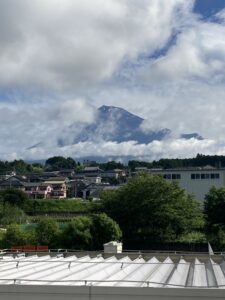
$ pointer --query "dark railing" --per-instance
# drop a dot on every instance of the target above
(136, 244)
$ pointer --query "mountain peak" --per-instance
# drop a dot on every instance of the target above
(118, 125)
(107, 111)
(106, 108)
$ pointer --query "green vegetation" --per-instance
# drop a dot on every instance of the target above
(111, 165)
(14, 197)
(214, 209)
(77, 235)
(148, 208)
(51, 205)
(102, 228)
(151, 208)
(18, 166)
(59, 162)
(16, 236)
(47, 232)
(11, 214)
(80, 233)
(166, 163)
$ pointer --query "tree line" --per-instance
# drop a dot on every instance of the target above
(59, 162)
(170, 163)
(82, 233)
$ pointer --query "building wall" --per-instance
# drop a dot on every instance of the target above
(195, 181)
(15, 292)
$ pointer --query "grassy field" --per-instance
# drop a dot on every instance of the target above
(53, 205)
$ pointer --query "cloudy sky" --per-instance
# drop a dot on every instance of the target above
(163, 60)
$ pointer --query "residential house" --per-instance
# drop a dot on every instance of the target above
(36, 190)
(92, 171)
(46, 175)
(76, 187)
(67, 173)
(59, 187)
(13, 182)
(113, 176)
(93, 176)
(93, 191)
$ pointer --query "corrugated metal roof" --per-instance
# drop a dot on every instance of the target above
(112, 271)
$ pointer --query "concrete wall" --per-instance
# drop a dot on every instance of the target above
(21, 292)
(197, 187)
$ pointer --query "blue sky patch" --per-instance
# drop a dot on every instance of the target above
(208, 8)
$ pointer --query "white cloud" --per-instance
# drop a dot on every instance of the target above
(73, 44)
(199, 53)
(221, 15)
(23, 125)
(74, 111)
(173, 148)
(104, 52)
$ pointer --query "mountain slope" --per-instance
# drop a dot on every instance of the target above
(118, 125)
(112, 124)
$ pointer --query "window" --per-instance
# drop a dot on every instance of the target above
(205, 176)
(176, 176)
(195, 176)
(215, 175)
(167, 176)
(172, 176)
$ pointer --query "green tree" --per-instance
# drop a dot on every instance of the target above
(150, 207)
(37, 168)
(47, 232)
(60, 162)
(11, 214)
(14, 197)
(77, 235)
(15, 236)
(111, 165)
(132, 164)
(20, 166)
(104, 229)
(214, 208)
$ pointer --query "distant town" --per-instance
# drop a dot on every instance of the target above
(61, 178)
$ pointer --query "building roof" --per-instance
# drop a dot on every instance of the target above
(114, 271)
(92, 169)
(36, 184)
(113, 187)
(186, 169)
(12, 182)
(56, 180)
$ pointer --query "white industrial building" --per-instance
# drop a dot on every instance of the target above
(196, 181)
(105, 276)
